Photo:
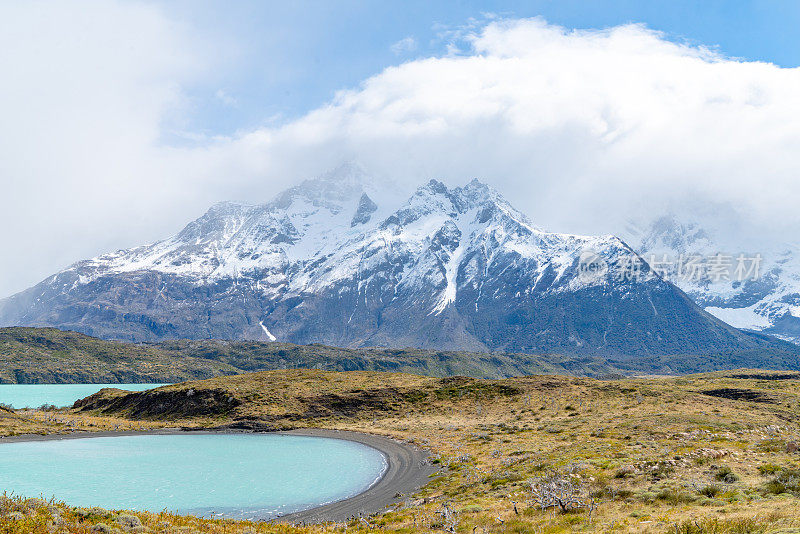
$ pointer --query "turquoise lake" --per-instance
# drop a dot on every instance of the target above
(244, 476)
(35, 395)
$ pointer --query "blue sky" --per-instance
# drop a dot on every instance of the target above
(286, 58)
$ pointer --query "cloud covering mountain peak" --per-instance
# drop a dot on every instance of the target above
(584, 128)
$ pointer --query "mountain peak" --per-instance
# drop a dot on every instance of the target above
(348, 173)
(226, 207)
(343, 184)
(477, 184)
(434, 186)
(477, 190)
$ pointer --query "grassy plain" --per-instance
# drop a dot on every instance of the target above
(710, 453)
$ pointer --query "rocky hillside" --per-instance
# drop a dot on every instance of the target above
(257, 400)
(47, 355)
(325, 262)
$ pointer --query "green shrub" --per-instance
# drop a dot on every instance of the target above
(725, 474)
(674, 497)
(624, 494)
(646, 496)
(771, 445)
(742, 525)
(128, 521)
(786, 481)
(471, 509)
(96, 512)
(769, 469)
(711, 490)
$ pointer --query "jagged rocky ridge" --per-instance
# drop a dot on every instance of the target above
(452, 268)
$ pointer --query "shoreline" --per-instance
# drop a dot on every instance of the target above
(406, 472)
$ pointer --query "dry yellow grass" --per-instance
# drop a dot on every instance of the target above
(686, 454)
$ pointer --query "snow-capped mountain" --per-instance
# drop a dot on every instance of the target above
(764, 295)
(330, 262)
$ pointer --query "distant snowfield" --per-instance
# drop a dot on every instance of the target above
(769, 301)
(746, 318)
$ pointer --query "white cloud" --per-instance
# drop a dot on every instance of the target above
(226, 99)
(579, 129)
(88, 87)
(403, 46)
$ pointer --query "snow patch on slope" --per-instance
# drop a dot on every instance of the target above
(465, 227)
(267, 332)
(747, 318)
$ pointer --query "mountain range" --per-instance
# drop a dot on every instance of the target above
(766, 299)
(330, 262)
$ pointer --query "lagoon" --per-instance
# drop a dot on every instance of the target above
(34, 395)
(243, 476)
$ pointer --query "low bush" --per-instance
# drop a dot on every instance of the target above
(769, 469)
(471, 509)
(128, 521)
(741, 525)
(786, 481)
(771, 445)
(674, 497)
(711, 490)
(726, 475)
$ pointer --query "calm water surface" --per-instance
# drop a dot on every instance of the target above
(253, 476)
(35, 395)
